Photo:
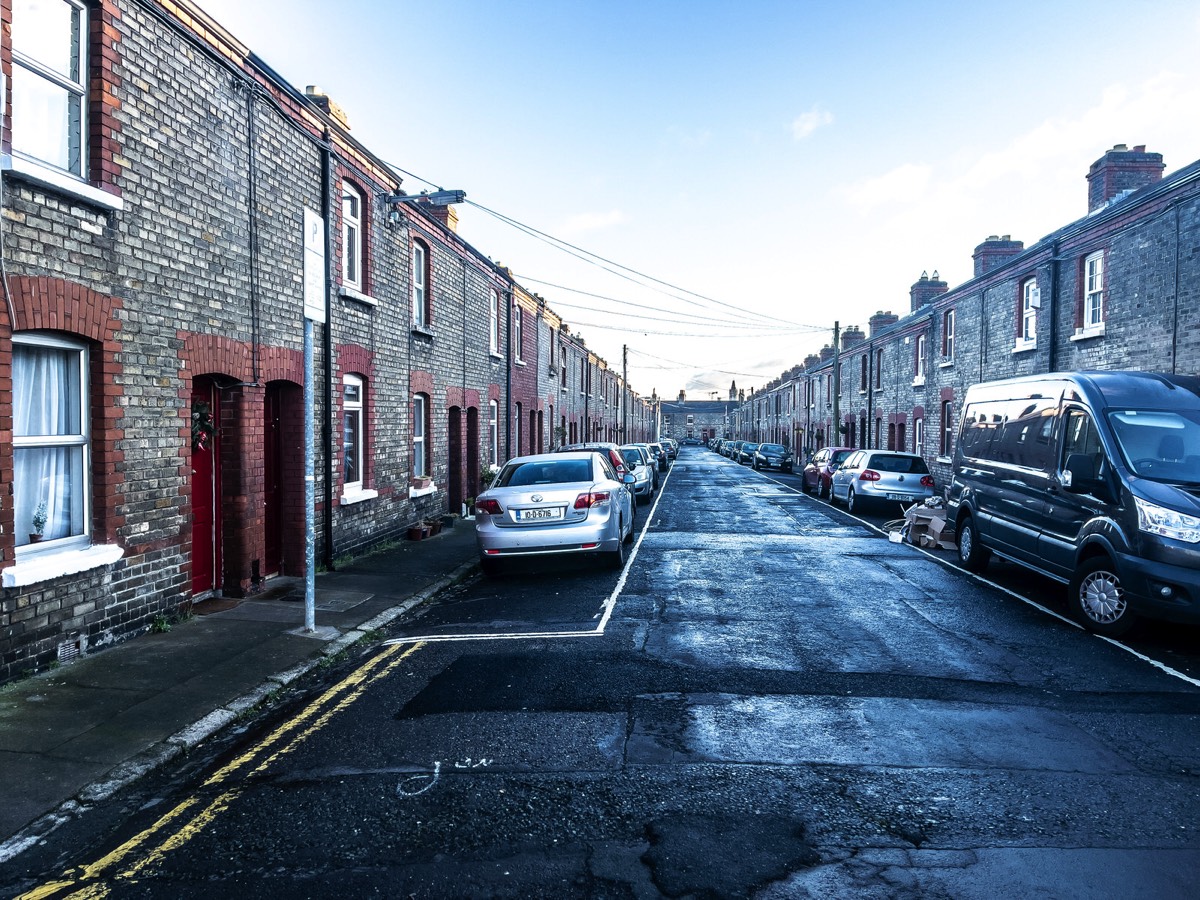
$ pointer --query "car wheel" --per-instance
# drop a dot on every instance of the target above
(632, 526)
(490, 567)
(616, 559)
(1097, 599)
(971, 553)
(804, 488)
(754, 465)
(825, 490)
(853, 505)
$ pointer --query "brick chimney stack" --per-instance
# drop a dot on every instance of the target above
(926, 289)
(851, 336)
(813, 360)
(321, 99)
(994, 251)
(826, 353)
(882, 320)
(1120, 170)
(447, 215)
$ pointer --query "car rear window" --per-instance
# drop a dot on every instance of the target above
(556, 472)
(841, 455)
(903, 464)
(772, 448)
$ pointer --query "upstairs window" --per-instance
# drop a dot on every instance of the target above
(862, 372)
(49, 109)
(878, 369)
(1030, 301)
(948, 335)
(51, 453)
(494, 322)
(352, 237)
(1093, 291)
(420, 285)
(518, 325)
(919, 365)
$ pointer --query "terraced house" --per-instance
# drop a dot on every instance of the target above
(1118, 288)
(173, 213)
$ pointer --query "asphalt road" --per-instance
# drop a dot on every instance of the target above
(771, 700)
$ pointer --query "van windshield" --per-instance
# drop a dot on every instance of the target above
(1163, 445)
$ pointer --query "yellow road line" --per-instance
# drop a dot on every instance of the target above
(319, 712)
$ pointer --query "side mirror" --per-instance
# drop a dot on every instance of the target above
(628, 478)
(1079, 476)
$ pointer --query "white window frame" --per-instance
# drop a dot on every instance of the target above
(918, 433)
(1027, 339)
(76, 497)
(352, 236)
(420, 285)
(948, 318)
(494, 323)
(420, 426)
(946, 447)
(493, 433)
(352, 410)
(1093, 291)
(518, 335)
(31, 75)
(922, 344)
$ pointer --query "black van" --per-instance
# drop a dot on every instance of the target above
(1091, 478)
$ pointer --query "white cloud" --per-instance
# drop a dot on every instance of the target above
(584, 222)
(904, 184)
(806, 123)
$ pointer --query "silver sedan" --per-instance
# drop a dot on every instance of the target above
(870, 476)
(552, 504)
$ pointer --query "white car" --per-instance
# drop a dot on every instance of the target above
(645, 473)
(556, 504)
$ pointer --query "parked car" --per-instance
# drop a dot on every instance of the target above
(664, 461)
(645, 472)
(609, 450)
(553, 504)
(745, 453)
(670, 446)
(772, 456)
(873, 476)
(818, 471)
(1090, 478)
(653, 460)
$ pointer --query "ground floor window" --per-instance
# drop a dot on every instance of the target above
(352, 433)
(51, 459)
(420, 425)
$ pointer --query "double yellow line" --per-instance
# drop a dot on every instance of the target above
(191, 816)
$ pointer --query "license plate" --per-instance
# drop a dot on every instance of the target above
(549, 512)
(899, 497)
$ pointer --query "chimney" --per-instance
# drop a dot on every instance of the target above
(1121, 170)
(851, 336)
(926, 289)
(813, 360)
(321, 99)
(683, 396)
(882, 320)
(447, 215)
(826, 353)
(733, 390)
(994, 251)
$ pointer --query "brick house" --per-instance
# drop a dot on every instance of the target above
(169, 222)
(1116, 289)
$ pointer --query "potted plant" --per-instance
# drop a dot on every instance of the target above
(39, 523)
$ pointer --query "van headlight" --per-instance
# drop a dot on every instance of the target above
(1166, 522)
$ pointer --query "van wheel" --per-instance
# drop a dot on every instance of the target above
(971, 553)
(1097, 600)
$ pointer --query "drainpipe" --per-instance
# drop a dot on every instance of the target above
(1052, 365)
(327, 348)
(508, 401)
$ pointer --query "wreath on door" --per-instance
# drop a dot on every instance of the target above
(204, 429)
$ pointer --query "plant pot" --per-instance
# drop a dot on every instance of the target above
(416, 533)
(34, 538)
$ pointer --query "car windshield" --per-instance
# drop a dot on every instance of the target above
(772, 448)
(840, 456)
(1163, 445)
(903, 464)
(545, 472)
(631, 456)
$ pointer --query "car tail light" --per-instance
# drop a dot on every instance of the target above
(590, 499)
(868, 475)
(927, 481)
(491, 507)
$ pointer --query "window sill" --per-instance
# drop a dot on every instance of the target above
(414, 492)
(349, 498)
(1024, 346)
(519, 362)
(946, 460)
(348, 293)
(496, 356)
(45, 566)
(44, 176)
(919, 381)
(1093, 331)
(422, 332)
(946, 364)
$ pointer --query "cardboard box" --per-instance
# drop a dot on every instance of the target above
(942, 534)
(920, 524)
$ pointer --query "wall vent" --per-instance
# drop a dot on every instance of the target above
(70, 650)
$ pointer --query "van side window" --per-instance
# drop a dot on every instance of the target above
(1014, 432)
(1080, 436)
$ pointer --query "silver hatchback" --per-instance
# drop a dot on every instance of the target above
(555, 503)
(874, 476)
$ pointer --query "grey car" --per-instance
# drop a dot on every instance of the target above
(555, 504)
(645, 473)
(875, 476)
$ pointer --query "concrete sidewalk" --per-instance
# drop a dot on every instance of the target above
(78, 733)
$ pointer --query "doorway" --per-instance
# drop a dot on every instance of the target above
(206, 487)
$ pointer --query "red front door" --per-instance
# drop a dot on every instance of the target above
(206, 488)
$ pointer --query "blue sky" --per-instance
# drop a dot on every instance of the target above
(780, 165)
